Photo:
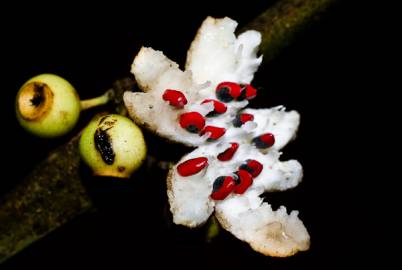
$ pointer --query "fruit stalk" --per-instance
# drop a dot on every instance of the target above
(101, 100)
(53, 193)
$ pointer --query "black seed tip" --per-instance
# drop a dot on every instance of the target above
(212, 114)
(236, 122)
(259, 143)
(218, 183)
(192, 129)
(246, 168)
(223, 94)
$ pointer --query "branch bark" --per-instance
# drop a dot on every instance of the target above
(53, 193)
(50, 196)
(282, 23)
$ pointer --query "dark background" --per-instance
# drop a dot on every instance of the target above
(324, 75)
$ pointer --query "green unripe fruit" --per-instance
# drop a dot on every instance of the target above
(47, 106)
(112, 145)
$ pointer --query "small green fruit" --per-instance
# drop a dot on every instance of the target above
(47, 106)
(112, 145)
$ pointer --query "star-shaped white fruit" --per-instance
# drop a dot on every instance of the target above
(197, 189)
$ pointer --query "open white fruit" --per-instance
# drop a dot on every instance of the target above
(217, 56)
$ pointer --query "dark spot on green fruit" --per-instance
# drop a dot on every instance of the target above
(39, 94)
(103, 119)
(104, 146)
(107, 123)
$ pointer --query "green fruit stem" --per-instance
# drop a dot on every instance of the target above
(97, 101)
(52, 195)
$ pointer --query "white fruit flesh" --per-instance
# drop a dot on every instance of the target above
(216, 55)
(273, 233)
(276, 175)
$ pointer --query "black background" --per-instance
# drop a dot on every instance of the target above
(324, 75)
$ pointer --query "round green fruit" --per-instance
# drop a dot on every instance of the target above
(112, 145)
(47, 106)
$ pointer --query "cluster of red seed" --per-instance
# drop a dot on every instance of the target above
(194, 122)
(237, 183)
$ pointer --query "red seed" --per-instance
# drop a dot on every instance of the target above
(192, 166)
(245, 117)
(247, 92)
(228, 153)
(222, 187)
(219, 107)
(264, 141)
(192, 121)
(215, 132)
(253, 167)
(176, 98)
(242, 118)
(227, 91)
(250, 92)
(244, 181)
